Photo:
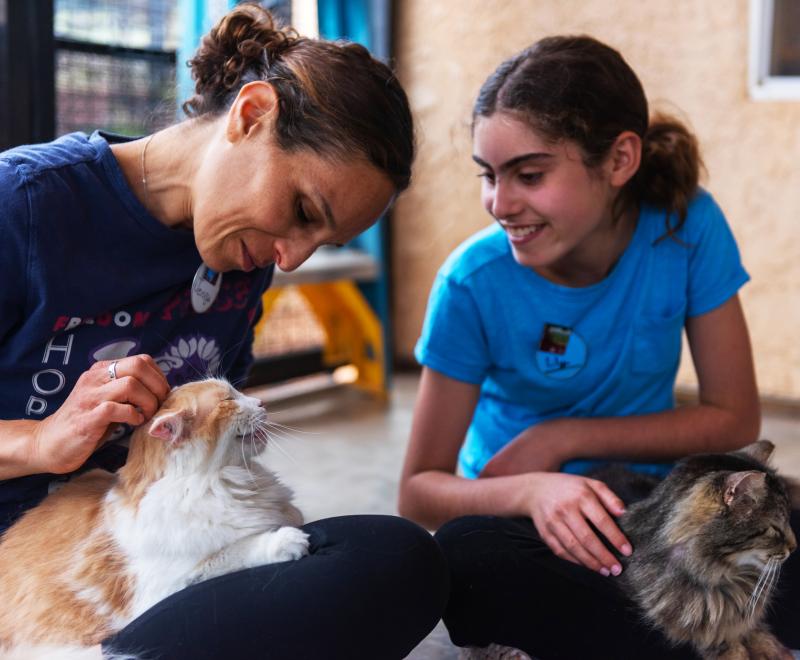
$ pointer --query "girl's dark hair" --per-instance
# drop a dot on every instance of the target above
(579, 89)
(334, 97)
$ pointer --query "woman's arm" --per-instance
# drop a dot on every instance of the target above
(560, 505)
(63, 441)
(726, 417)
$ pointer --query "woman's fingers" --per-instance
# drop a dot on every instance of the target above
(142, 368)
(130, 390)
(111, 412)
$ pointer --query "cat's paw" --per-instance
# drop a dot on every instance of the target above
(763, 645)
(285, 544)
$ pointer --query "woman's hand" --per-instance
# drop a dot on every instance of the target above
(563, 505)
(63, 441)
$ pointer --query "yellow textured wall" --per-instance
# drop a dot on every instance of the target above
(692, 59)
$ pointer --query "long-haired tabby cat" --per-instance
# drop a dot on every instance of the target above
(190, 504)
(708, 544)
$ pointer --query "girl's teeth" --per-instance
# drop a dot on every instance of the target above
(519, 232)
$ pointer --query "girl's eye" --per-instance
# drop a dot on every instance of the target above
(531, 177)
(487, 176)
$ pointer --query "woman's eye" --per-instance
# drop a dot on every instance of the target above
(487, 176)
(302, 216)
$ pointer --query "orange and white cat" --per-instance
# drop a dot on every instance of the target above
(192, 502)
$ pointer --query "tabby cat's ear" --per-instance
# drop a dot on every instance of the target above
(743, 486)
(760, 450)
(167, 426)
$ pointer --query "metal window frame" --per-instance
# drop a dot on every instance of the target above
(762, 85)
(27, 72)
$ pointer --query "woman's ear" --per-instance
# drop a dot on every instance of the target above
(256, 106)
(624, 158)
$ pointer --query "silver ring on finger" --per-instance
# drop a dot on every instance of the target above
(112, 371)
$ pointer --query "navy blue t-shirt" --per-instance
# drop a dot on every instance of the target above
(88, 274)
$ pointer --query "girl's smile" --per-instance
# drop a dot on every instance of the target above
(555, 211)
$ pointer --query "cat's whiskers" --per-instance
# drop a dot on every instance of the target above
(273, 439)
(293, 429)
(763, 587)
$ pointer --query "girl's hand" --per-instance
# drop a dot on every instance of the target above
(63, 441)
(539, 448)
(563, 505)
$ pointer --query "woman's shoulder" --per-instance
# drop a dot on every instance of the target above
(28, 161)
(480, 251)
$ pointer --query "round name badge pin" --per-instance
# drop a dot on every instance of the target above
(205, 288)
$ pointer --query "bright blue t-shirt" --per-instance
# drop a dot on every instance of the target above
(543, 351)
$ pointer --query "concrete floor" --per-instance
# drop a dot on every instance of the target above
(342, 452)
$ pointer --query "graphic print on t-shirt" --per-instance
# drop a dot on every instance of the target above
(561, 353)
(189, 358)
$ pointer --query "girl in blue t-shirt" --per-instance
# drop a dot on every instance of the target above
(551, 343)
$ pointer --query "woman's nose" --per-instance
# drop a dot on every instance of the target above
(293, 254)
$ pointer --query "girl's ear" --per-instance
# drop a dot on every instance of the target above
(168, 426)
(255, 106)
(624, 158)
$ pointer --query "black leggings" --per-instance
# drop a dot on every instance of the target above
(507, 587)
(371, 587)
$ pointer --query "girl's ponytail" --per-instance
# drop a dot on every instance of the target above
(669, 174)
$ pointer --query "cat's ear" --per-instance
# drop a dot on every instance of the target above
(760, 450)
(744, 486)
(168, 426)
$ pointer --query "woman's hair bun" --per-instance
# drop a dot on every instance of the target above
(246, 39)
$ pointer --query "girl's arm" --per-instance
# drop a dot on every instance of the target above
(560, 505)
(726, 417)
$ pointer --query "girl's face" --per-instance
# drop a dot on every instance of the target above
(255, 204)
(556, 213)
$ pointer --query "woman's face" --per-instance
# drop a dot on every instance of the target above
(554, 210)
(255, 204)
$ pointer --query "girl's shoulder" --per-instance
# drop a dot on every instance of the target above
(702, 214)
(483, 250)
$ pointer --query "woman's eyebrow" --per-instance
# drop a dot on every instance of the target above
(322, 203)
(534, 156)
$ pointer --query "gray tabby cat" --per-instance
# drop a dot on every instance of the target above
(709, 543)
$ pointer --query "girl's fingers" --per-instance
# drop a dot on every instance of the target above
(595, 555)
(607, 497)
(554, 543)
(598, 514)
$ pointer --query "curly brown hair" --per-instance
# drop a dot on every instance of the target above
(334, 97)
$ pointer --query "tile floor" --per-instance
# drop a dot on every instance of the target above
(342, 451)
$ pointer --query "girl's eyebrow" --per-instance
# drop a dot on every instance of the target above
(534, 156)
